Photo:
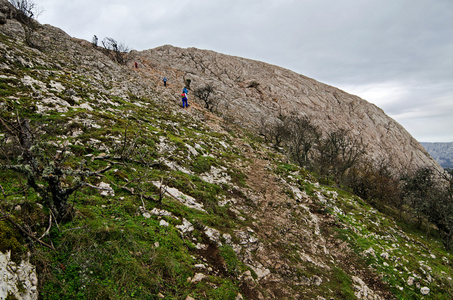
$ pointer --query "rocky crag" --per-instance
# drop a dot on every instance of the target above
(247, 90)
(189, 204)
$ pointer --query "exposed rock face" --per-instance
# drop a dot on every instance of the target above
(6, 11)
(19, 281)
(251, 90)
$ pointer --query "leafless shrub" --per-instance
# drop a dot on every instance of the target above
(27, 12)
(43, 167)
(338, 151)
(115, 50)
(205, 94)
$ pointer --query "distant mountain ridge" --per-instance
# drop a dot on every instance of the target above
(441, 152)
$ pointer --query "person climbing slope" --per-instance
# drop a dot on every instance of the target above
(184, 100)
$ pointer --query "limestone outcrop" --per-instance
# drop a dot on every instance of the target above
(17, 280)
(249, 91)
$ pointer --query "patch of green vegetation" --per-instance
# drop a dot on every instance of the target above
(115, 255)
(226, 290)
(308, 188)
(234, 266)
(391, 252)
(203, 164)
(237, 177)
(285, 168)
(340, 285)
(11, 296)
(11, 240)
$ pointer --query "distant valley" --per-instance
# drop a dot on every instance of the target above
(441, 152)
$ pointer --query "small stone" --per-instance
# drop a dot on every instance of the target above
(424, 290)
(106, 190)
(198, 277)
(200, 266)
(410, 280)
(369, 251)
(164, 223)
(317, 280)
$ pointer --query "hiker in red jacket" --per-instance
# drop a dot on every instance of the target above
(184, 100)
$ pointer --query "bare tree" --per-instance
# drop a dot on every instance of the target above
(304, 135)
(115, 50)
(44, 170)
(274, 131)
(338, 152)
(205, 94)
(27, 12)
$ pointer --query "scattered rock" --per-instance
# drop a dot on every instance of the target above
(161, 212)
(213, 235)
(164, 223)
(316, 280)
(181, 197)
(185, 227)
(424, 290)
(362, 291)
(410, 280)
(369, 251)
(106, 190)
(12, 276)
(198, 277)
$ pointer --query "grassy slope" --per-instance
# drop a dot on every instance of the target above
(111, 250)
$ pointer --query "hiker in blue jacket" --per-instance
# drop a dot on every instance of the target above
(184, 100)
(184, 90)
(165, 81)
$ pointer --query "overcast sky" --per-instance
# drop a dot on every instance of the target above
(397, 54)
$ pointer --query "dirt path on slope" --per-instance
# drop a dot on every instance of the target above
(283, 226)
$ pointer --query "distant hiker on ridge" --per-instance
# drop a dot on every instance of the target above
(136, 65)
(165, 81)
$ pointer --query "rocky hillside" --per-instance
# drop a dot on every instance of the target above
(112, 191)
(441, 152)
(248, 91)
